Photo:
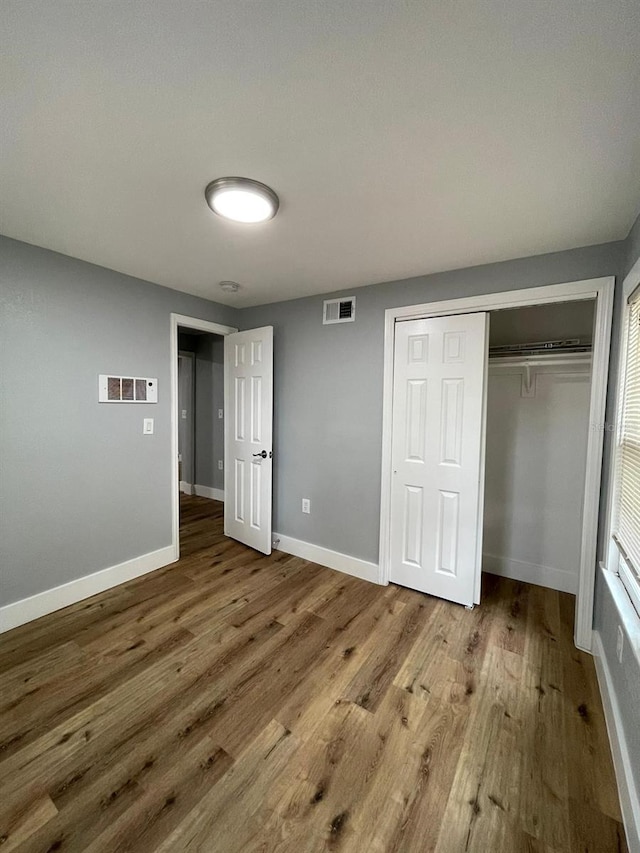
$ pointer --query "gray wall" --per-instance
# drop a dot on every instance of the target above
(543, 323)
(632, 247)
(328, 391)
(73, 319)
(209, 398)
(202, 432)
(81, 488)
(208, 429)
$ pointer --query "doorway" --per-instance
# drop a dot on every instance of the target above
(247, 363)
(185, 467)
(600, 292)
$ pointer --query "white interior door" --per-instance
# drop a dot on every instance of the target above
(439, 412)
(248, 396)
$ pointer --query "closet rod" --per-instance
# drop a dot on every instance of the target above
(538, 361)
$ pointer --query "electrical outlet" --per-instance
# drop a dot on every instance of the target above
(220, 465)
(306, 505)
(220, 414)
(184, 414)
(620, 644)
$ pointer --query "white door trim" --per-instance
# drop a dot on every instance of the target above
(600, 289)
(202, 326)
(190, 477)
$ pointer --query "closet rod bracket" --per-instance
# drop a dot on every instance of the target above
(528, 382)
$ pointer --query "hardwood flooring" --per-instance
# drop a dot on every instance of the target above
(236, 702)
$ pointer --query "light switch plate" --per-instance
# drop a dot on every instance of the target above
(220, 413)
(147, 426)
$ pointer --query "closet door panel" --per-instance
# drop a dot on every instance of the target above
(437, 453)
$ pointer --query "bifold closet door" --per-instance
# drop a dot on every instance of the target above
(439, 410)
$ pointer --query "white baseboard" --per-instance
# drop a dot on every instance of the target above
(519, 570)
(19, 612)
(331, 559)
(186, 488)
(208, 492)
(622, 760)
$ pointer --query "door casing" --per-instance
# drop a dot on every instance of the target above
(602, 291)
(188, 356)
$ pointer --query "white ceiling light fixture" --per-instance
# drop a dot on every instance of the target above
(229, 286)
(242, 199)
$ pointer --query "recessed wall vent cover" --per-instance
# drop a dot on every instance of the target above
(341, 310)
(127, 389)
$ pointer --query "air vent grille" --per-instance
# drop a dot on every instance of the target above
(126, 389)
(341, 310)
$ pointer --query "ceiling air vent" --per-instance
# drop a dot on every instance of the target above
(339, 310)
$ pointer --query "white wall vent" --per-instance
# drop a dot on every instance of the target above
(341, 310)
(126, 389)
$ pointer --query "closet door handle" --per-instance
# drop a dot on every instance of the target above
(263, 454)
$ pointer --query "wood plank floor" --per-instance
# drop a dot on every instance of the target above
(233, 702)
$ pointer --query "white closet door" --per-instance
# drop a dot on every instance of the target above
(439, 411)
(248, 403)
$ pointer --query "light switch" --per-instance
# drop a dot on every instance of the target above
(220, 414)
(147, 426)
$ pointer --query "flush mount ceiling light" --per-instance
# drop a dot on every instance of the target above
(242, 199)
(229, 286)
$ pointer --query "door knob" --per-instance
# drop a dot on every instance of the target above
(263, 454)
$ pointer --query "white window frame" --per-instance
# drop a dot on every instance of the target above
(615, 561)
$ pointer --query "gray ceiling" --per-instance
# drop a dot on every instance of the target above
(402, 137)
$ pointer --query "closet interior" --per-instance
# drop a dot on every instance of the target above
(536, 442)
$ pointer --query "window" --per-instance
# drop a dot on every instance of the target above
(626, 519)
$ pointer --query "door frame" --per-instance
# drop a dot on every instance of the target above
(192, 397)
(602, 291)
(177, 320)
